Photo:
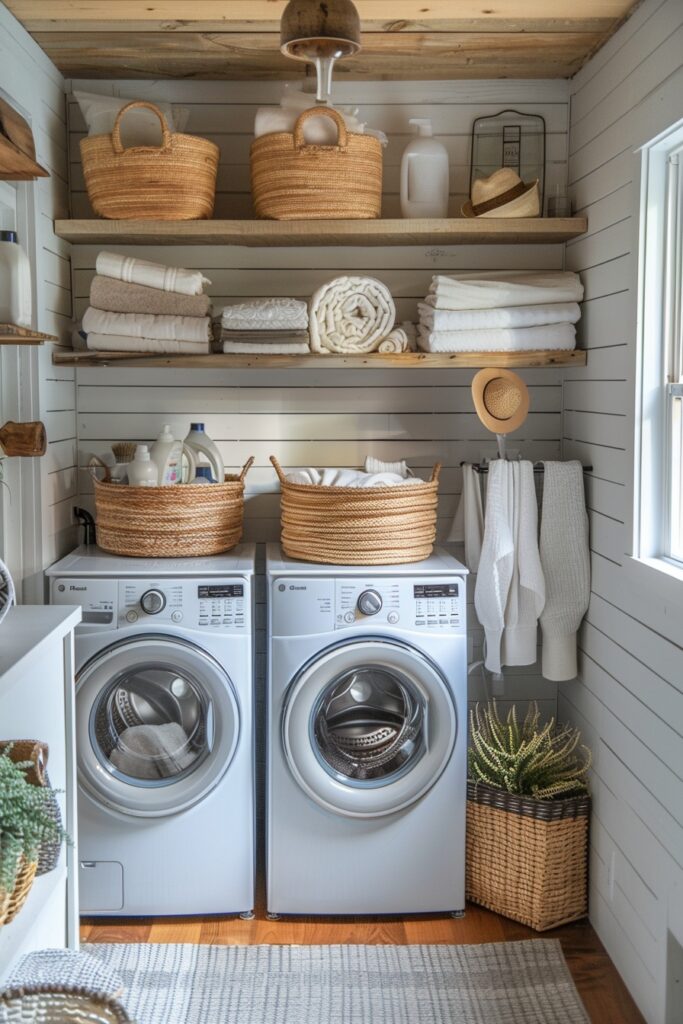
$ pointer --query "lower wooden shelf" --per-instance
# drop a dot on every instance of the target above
(373, 360)
(12, 334)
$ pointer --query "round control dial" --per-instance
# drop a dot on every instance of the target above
(369, 602)
(152, 602)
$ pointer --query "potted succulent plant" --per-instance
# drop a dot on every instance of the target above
(527, 817)
(27, 821)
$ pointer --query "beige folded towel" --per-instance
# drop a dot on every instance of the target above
(141, 325)
(122, 297)
(120, 343)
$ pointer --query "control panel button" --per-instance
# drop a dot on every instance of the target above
(349, 617)
(176, 616)
(132, 616)
(392, 618)
(152, 602)
(370, 602)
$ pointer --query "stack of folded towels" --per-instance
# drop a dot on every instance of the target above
(137, 306)
(501, 311)
(271, 326)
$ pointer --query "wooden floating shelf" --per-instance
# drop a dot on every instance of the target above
(11, 334)
(452, 231)
(374, 360)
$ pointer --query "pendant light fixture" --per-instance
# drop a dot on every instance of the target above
(320, 32)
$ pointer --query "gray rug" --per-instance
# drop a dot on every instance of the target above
(498, 983)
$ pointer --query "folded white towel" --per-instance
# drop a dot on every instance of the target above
(501, 288)
(373, 465)
(152, 275)
(351, 314)
(512, 316)
(468, 524)
(348, 478)
(272, 314)
(271, 348)
(559, 337)
(121, 343)
(147, 325)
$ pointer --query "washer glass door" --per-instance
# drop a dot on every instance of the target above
(368, 727)
(157, 725)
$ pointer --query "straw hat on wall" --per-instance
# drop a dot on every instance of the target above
(501, 400)
(503, 194)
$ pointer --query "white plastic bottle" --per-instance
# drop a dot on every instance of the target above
(424, 174)
(201, 444)
(167, 454)
(15, 282)
(142, 472)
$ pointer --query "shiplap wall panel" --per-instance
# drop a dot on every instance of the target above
(629, 700)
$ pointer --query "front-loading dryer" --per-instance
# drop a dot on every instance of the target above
(164, 731)
(366, 776)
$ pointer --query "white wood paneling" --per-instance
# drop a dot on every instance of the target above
(629, 700)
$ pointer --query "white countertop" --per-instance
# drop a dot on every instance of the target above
(26, 627)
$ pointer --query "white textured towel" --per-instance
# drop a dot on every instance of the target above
(348, 478)
(502, 288)
(270, 348)
(468, 523)
(351, 314)
(510, 316)
(565, 559)
(271, 314)
(120, 343)
(560, 337)
(153, 751)
(395, 342)
(527, 587)
(374, 465)
(152, 275)
(496, 563)
(147, 325)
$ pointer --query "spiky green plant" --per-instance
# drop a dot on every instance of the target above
(546, 762)
(25, 821)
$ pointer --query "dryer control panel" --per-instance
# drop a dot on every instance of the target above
(220, 604)
(312, 605)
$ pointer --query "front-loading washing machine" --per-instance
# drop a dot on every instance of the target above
(164, 731)
(366, 776)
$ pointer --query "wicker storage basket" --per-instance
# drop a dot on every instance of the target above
(174, 181)
(358, 525)
(12, 902)
(292, 180)
(527, 859)
(37, 752)
(184, 521)
(53, 1004)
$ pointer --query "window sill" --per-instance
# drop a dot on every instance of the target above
(661, 565)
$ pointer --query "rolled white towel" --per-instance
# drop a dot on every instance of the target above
(351, 314)
(152, 275)
(560, 337)
(500, 288)
(395, 342)
(512, 316)
(141, 325)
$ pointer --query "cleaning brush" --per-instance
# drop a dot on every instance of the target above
(124, 451)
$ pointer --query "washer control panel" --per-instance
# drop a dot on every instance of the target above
(218, 604)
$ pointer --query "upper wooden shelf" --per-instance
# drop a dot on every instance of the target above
(11, 334)
(374, 360)
(455, 231)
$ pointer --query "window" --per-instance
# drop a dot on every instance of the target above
(659, 420)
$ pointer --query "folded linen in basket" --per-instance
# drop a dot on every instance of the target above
(153, 751)
(375, 465)
(351, 314)
(121, 343)
(513, 339)
(349, 478)
(510, 316)
(141, 325)
(275, 314)
(269, 348)
(152, 275)
(121, 297)
(500, 288)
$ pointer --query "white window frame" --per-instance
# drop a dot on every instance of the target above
(659, 394)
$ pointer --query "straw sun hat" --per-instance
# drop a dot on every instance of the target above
(503, 194)
(501, 400)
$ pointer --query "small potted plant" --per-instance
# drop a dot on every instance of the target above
(26, 823)
(527, 818)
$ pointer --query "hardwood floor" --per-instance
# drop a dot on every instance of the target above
(602, 990)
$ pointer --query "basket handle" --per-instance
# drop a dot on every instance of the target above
(246, 467)
(278, 469)
(435, 472)
(34, 751)
(165, 131)
(334, 115)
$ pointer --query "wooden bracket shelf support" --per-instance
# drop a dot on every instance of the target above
(12, 334)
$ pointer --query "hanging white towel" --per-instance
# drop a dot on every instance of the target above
(497, 560)
(509, 316)
(468, 524)
(558, 337)
(501, 288)
(527, 587)
(147, 325)
(152, 275)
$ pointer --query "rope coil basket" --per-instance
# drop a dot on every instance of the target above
(358, 525)
(181, 521)
(526, 858)
(294, 180)
(173, 181)
(55, 1004)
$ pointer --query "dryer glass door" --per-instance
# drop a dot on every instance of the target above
(157, 725)
(368, 726)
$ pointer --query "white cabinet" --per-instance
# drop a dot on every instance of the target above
(37, 702)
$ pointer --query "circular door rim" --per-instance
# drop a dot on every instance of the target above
(389, 795)
(111, 790)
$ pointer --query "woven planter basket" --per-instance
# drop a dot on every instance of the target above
(182, 521)
(292, 180)
(358, 525)
(12, 902)
(52, 1004)
(37, 752)
(174, 181)
(527, 859)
